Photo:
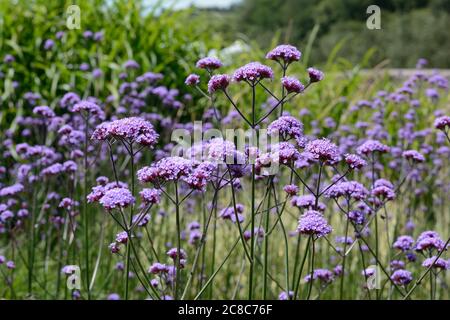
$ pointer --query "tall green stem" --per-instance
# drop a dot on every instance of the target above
(85, 208)
(177, 206)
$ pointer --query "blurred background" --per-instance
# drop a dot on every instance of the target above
(410, 29)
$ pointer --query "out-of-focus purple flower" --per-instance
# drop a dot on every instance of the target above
(442, 123)
(84, 66)
(315, 75)
(44, 111)
(122, 237)
(401, 277)
(218, 82)
(131, 64)
(348, 189)
(436, 263)
(97, 73)
(113, 296)
(49, 44)
(397, 264)
(307, 202)
(229, 213)
(8, 59)
(117, 197)
(292, 84)
(173, 253)
(371, 146)
(286, 296)
(69, 99)
(98, 36)
(313, 223)
(404, 243)
(209, 63)
(284, 53)
(413, 155)
(11, 190)
(192, 79)
(421, 63)
(354, 161)
(429, 240)
(291, 189)
(324, 275)
(88, 34)
(10, 264)
(158, 268)
(88, 107)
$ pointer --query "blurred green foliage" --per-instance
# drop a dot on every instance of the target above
(160, 41)
(410, 29)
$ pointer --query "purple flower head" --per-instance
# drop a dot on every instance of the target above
(292, 84)
(88, 34)
(97, 73)
(114, 247)
(200, 176)
(8, 59)
(401, 277)
(11, 190)
(354, 161)
(131, 64)
(286, 296)
(117, 197)
(253, 72)
(404, 243)
(397, 264)
(132, 129)
(84, 66)
(413, 156)
(287, 127)
(158, 268)
(192, 79)
(324, 275)
(291, 189)
(209, 63)
(113, 296)
(173, 253)
(442, 123)
(69, 99)
(150, 196)
(10, 264)
(315, 75)
(88, 107)
(323, 150)
(307, 202)
(228, 213)
(122, 237)
(98, 36)
(383, 189)
(313, 223)
(284, 53)
(348, 189)
(49, 44)
(44, 111)
(52, 170)
(166, 169)
(436, 263)
(429, 240)
(218, 82)
(371, 146)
